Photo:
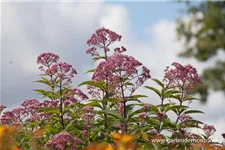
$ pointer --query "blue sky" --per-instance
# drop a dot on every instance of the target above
(148, 30)
(144, 14)
(147, 13)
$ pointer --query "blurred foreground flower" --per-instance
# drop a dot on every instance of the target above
(6, 137)
(122, 142)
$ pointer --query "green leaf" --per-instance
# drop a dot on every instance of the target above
(176, 108)
(169, 94)
(41, 91)
(70, 124)
(95, 103)
(187, 98)
(135, 113)
(193, 111)
(135, 98)
(113, 113)
(158, 82)
(50, 110)
(91, 70)
(154, 89)
(99, 84)
(155, 146)
(98, 58)
(128, 83)
(192, 123)
(129, 108)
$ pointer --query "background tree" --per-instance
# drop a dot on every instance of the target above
(204, 35)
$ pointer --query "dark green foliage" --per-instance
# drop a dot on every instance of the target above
(207, 18)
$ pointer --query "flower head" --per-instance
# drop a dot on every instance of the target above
(209, 130)
(161, 116)
(62, 141)
(2, 107)
(185, 77)
(102, 38)
(18, 115)
(118, 67)
(47, 59)
(184, 117)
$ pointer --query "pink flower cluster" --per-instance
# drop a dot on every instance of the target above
(154, 131)
(2, 107)
(209, 130)
(120, 107)
(184, 117)
(62, 71)
(88, 116)
(50, 103)
(19, 115)
(53, 68)
(184, 77)
(63, 141)
(102, 38)
(72, 96)
(146, 106)
(161, 116)
(118, 67)
(47, 59)
(143, 116)
(94, 92)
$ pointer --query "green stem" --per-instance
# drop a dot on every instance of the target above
(61, 106)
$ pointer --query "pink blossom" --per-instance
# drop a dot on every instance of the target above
(83, 132)
(93, 51)
(74, 95)
(146, 106)
(31, 105)
(119, 66)
(63, 71)
(88, 116)
(154, 131)
(2, 107)
(63, 141)
(40, 116)
(50, 103)
(161, 116)
(19, 115)
(93, 91)
(142, 115)
(209, 130)
(47, 59)
(184, 77)
(121, 108)
(102, 38)
(88, 108)
(184, 117)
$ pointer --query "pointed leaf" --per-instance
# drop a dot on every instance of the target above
(154, 89)
(158, 82)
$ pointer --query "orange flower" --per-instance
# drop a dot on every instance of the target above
(38, 132)
(116, 136)
(6, 140)
(122, 138)
(99, 146)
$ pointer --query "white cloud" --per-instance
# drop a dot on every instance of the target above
(29, 29)
(115, 18)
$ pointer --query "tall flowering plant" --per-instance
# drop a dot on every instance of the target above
(114, 82)
(112, 115)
